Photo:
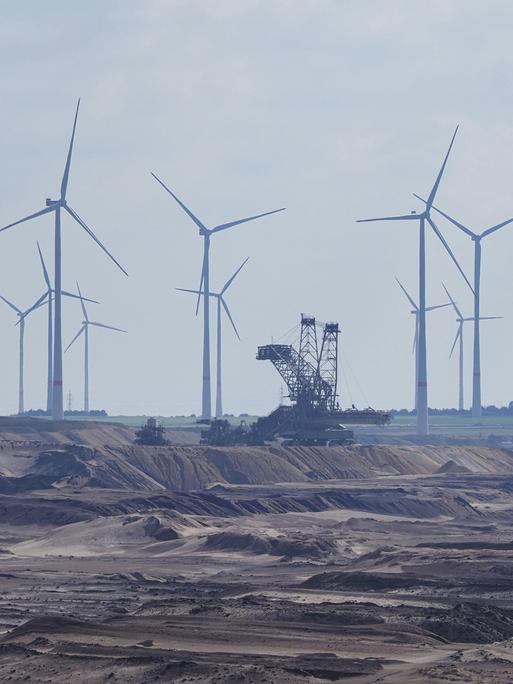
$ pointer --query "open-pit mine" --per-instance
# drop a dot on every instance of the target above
(194, 563)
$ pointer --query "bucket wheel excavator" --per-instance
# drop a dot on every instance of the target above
(313, 417)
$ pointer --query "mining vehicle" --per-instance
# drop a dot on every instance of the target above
(313, 417)
(151, 434)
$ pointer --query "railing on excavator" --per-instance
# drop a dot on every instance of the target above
(363, 417)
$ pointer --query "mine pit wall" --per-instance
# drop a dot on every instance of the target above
(188, 468)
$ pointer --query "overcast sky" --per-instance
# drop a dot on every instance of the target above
(336, 109)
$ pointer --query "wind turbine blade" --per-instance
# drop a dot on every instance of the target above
(32, 308)
(65, 176)
(198, 292)
(65, 293)
(454, 305)
(13, 306)
(108, 327)
(230, 280)
(75, 338)
(438, 306)
(90, 232)
(449, 218)
(46, 210)
(189, 213)
(488, 231)
(202, 277)
(414, 347)
(230, 317)
(224, 226)
(43, 265)
(490, 318)
(407, 295)
(84, 311)
(434, 190)
(449, 251)
(404, 217)
(39, 302)
(184, 289)
(458, 334)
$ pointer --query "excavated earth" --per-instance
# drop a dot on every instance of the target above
(120, 563)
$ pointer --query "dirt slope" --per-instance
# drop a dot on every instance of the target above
(186, 468)
(193, 467)
(15, 431)
(28, 432)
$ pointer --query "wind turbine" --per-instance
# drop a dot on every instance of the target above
(476, 238)
(21, 321)
(47, 297)
(460, 320)
(85, 329)
(220, 303)
(415, 311)
(422, 407)
(204, 288)
(55, 206)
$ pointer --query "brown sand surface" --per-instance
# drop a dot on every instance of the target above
(364, 565)
(102, 455)
(29, 432)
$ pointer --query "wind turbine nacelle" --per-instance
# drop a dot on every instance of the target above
(51, 202)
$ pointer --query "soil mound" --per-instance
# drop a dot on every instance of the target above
(109, 535)
(25, 483)
(45, 625)
(78, 466)
(470, 623)
(187, 468)
(290, 548)
(452, 468)
(195, 467)
(35, 432)
(364, 581)
(81, 506)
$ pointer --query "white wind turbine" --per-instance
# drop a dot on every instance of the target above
(204, 287)
(460, 320)
(21, 322)
(476, 238)
(422, 401)
(415, 311)
(85, 329)
(55, 206)
(47, 298)
(220, 303)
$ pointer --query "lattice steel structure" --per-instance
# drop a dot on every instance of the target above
(328, 362)
(310, 374)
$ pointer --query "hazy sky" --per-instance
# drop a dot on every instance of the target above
(336, 109)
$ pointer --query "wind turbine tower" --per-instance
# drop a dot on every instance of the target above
(460, 320)
(415, 311)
